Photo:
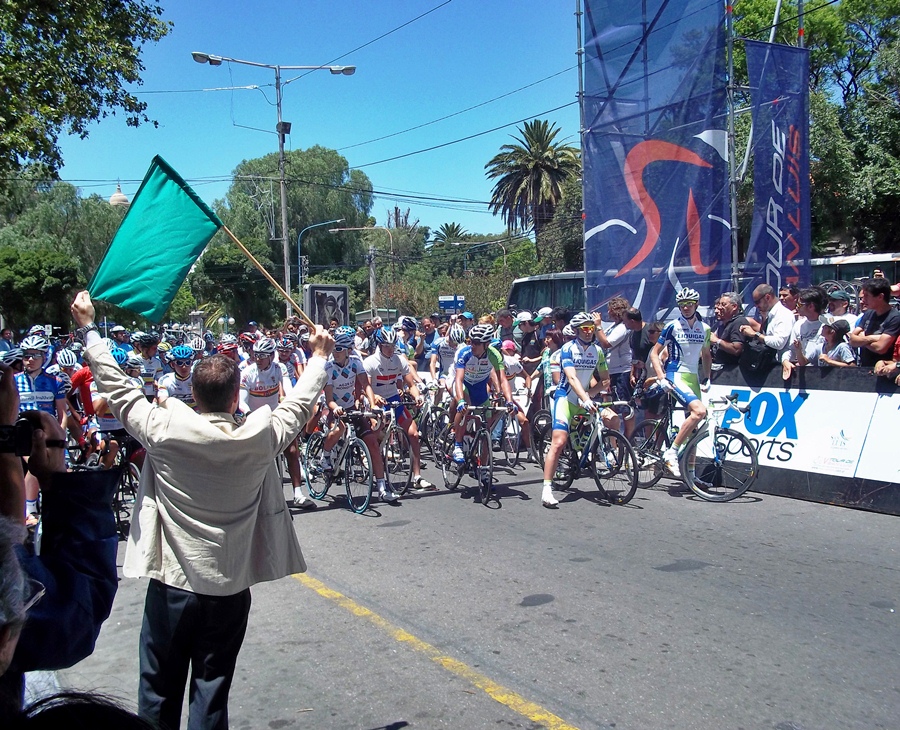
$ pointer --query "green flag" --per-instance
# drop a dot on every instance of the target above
(164, 232)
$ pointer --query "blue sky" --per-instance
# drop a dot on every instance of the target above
(462, 54)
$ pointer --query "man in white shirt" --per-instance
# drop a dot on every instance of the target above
(778, 320)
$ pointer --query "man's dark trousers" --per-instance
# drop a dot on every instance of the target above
(184, 629)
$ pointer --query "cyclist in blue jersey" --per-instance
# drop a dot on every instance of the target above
(583, 373)
(686, 341)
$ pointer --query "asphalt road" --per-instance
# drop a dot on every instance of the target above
(670, 612)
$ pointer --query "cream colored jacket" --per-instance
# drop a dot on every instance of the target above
(210, 515)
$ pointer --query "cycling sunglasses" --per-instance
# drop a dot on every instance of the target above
(182, 363)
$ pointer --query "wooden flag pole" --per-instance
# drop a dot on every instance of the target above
(272, 281)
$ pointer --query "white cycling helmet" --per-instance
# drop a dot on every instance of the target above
(457, 334)
(579, 319)
(35, 342)
(67, 359)
(569, 331)
(265, 346)
(386, 336)
(481, 333)
(687, 295)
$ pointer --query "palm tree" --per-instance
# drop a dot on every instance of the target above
(530, 175)
(450, 233)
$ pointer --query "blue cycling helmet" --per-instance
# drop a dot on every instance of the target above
(346, 329)
(120, 356)
(180, 352)
(343, 338)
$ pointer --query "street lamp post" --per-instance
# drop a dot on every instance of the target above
(281, 129)
(224, 322)
(478, 245)
(371, 257)
(300, 258)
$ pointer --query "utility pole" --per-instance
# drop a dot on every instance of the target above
(372, 278)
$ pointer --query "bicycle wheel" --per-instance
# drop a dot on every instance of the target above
(316, 482)
(440, 420)
(615, 466)
(719, 465)
(450, 470)
(358, 476)
(565, 466)
(397, 460)
(540, 427)
(483, 461)
(650, 439)
(511, 441)
(123, 503)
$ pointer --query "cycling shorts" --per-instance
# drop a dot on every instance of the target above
(477, 392)
(564, 411)
(687, 387)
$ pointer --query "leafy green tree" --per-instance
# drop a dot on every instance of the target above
(64, 64)
(36, 285)
(562, 239)
(529, 176)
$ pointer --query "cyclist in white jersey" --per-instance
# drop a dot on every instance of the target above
(152, 367)
(443, 360)
(107, 428)
(264, 383)
(177, 384)
(686, 341)
(387, 370)
(345, 376)
(583, 373)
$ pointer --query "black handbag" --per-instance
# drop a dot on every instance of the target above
(757, 357)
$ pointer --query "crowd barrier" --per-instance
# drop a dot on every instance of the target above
(825, 436)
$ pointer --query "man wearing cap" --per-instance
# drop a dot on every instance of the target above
(839, 308)
(121, 337)
(467, 320)
(544, 321)
(530, 346)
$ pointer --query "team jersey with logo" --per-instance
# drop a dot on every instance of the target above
(260, 387)
(385, 372)
(684, 343)
(446, 355)
(177, 388)
(586, 359)
(342, 379)
(39, 393)
(150, 371)
(477, 369)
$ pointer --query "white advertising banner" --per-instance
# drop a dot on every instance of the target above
(842, 433)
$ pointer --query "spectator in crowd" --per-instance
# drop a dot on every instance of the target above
(788, 295)
(121, 337)
(806, 333)
(839, 308)
(6, 340)
(776, 323)
(506, 327)
(560, 317)
(530, 344)
(65, 592)
(833, 348)
(726, 339)
(467, 320)
(879, 325)
(209, 484)
(426, 338)
(614, 338)
(544, 320)
(638, 344)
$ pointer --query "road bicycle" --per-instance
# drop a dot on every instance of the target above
(395, 451)
(477, 449)
(511, 435)
(606, 452)
(352, 464)
(719, 464)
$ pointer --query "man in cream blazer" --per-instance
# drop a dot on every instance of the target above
(210, 521)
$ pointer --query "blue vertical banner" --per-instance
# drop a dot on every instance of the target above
(655, 152)
(780, 245)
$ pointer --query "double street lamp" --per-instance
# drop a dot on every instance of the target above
(300, 258)
(281, 129)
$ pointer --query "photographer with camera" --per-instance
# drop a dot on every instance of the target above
(71, 568)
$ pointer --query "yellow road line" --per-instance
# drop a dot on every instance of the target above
(498, 692)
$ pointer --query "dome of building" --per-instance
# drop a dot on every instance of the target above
(119, 198)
